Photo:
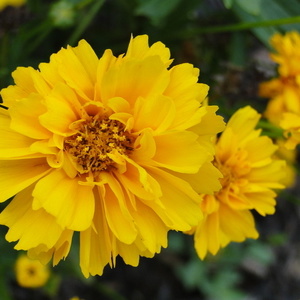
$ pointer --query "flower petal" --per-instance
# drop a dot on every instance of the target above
(179, 205)
(95, 243)
(27, 225)
(71, 203)
(25, 117)
(178, 151)
(159, 106)
(17, 175)
(133, 79)
(12, 144)
(63, 108)
(117, 214)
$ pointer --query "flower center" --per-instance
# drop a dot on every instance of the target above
(234, 169)
(97, 142)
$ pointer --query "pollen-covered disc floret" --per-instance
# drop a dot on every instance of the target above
(106, 147)
(94, 143)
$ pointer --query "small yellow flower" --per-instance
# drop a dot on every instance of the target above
(109, 148)
(283, 91)
(31, 273)
(4, 3)
(249, 176)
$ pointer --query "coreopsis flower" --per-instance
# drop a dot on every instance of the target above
(5, 3)
(31, 273)
(109, 148)
(250, 175)
(284, 90)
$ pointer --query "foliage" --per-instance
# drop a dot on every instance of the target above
(229, 41)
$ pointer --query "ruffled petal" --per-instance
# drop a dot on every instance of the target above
(95, 243)
(179, 151)
(179, 205)
(25, 117)
(237, 224)
(13, 144)
(17, 175)
(71, 203)
(134, 79)
(116, 210)
(28, 226)
(161, 107)
(139, 49)
(63, 108)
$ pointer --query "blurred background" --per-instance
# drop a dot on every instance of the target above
(229, 41)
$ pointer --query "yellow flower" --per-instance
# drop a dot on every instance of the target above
(288, 57)
(109, 148)
(284, 91)
(4, 3)
(249, 176)
(284, 97)
(31, 273)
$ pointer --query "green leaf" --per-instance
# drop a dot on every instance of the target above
(156, 10)
(252, 7)
(276, 10)
(228, 3)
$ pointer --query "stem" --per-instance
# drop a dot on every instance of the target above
(241, 26)
(85, 22)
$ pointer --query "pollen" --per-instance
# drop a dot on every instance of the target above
(96, 141)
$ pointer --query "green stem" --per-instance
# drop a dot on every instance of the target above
(270, 129)
(85, 22)
(241, 26)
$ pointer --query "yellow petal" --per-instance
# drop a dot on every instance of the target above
(13, 144)
(71, 203)
(206, 180)
(63, 108)
(133, 79)
(144, 147)
(156, 112)
(179, 208)
(117, 214)
(95, 243)
(178, 151)
(76, 72)
(25, 117)
(207, 236)
(139, 48)
(27, 225)
(237, 224)
(139, 182)
(17, 175)
(152, 231)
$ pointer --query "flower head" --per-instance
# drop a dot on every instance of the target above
(109, 148)
(250, 174)
(31, 273)
(283, 90)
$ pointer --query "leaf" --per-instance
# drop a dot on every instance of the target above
(228, 3)
(156, 10)
(276, 10)
(252, 7)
